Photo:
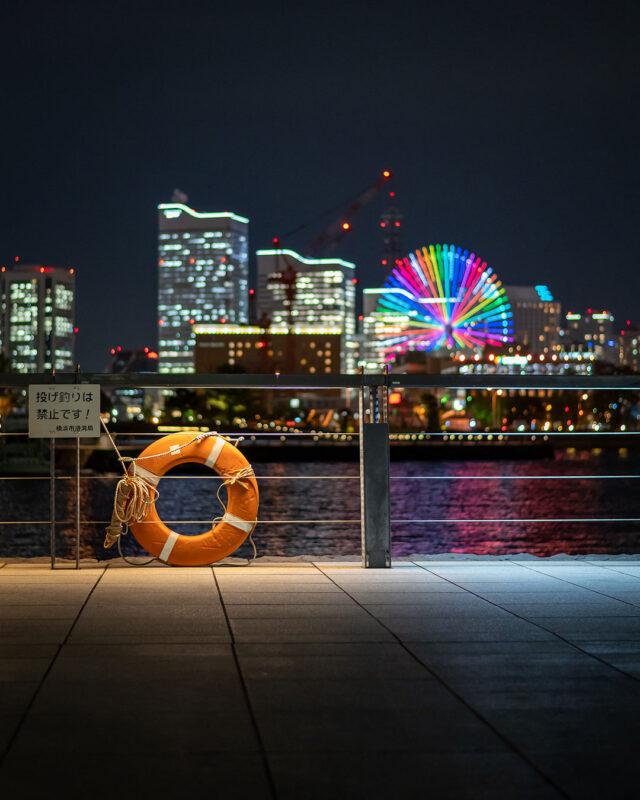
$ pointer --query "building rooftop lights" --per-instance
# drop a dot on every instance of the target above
(174, 210)
(544, 293)
(303, 260)
(248, 330)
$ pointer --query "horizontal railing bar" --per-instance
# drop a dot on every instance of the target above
(191, 478)
(149, 380)
(177, 521)
(541, 519)
(332, 381)
(234, 434)
(449, 381)
(528, 434)
(507, 477)
(351, 477)
(466, 436)
(220, 477)
(340, 521)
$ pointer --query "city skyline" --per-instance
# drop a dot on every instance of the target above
(295, 291)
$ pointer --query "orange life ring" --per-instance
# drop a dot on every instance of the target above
(239, 519)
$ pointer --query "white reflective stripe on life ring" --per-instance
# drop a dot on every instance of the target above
(215, 451)
(149, 477)
(172, 538)
(241, 524)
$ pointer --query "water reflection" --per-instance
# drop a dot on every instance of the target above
(329, 494)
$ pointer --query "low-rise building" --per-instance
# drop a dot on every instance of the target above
(252, 349)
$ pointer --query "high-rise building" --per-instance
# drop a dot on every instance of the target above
(536, 318)
(296, 292)
(592, 332)
(203, 277)
(37, 306)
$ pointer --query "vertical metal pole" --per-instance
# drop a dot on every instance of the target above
(77, 488)
(375, 513)
(52, 501)
(78, 503)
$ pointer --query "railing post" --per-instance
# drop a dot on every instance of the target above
(78, 503)
(52, 502)
(374, 472)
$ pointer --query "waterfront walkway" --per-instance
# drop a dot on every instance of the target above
(435, 679)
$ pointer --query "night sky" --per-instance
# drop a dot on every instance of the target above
(511, 129)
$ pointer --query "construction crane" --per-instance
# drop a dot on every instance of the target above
(325, 242)
(333, 234)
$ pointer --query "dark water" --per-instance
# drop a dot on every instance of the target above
(452, 499)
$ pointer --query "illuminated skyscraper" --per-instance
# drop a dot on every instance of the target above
(203, 277)
(37, 317)
(592, 332)
(297, 293)
(536, 318)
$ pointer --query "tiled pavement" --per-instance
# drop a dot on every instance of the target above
(445, 679)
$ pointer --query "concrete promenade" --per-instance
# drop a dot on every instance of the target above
(435, 679)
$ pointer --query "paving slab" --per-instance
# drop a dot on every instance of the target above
(141, 776)
(368, 776)
(16, 611)
(310, 629)
(339, 660)
(487, 627)
(333, 611)
(291, 598)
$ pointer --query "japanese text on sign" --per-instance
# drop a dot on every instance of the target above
(59, 411)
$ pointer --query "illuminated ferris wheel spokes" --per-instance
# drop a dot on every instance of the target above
(447, 298)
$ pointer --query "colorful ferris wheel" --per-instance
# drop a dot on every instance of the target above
(443, 297)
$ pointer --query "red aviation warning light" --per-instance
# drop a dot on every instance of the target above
(275, 241)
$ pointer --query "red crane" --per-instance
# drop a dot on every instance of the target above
(326, 241)
(338, 228)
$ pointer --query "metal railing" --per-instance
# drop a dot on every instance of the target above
(373, 436)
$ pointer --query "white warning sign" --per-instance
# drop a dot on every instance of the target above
(59, 410)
